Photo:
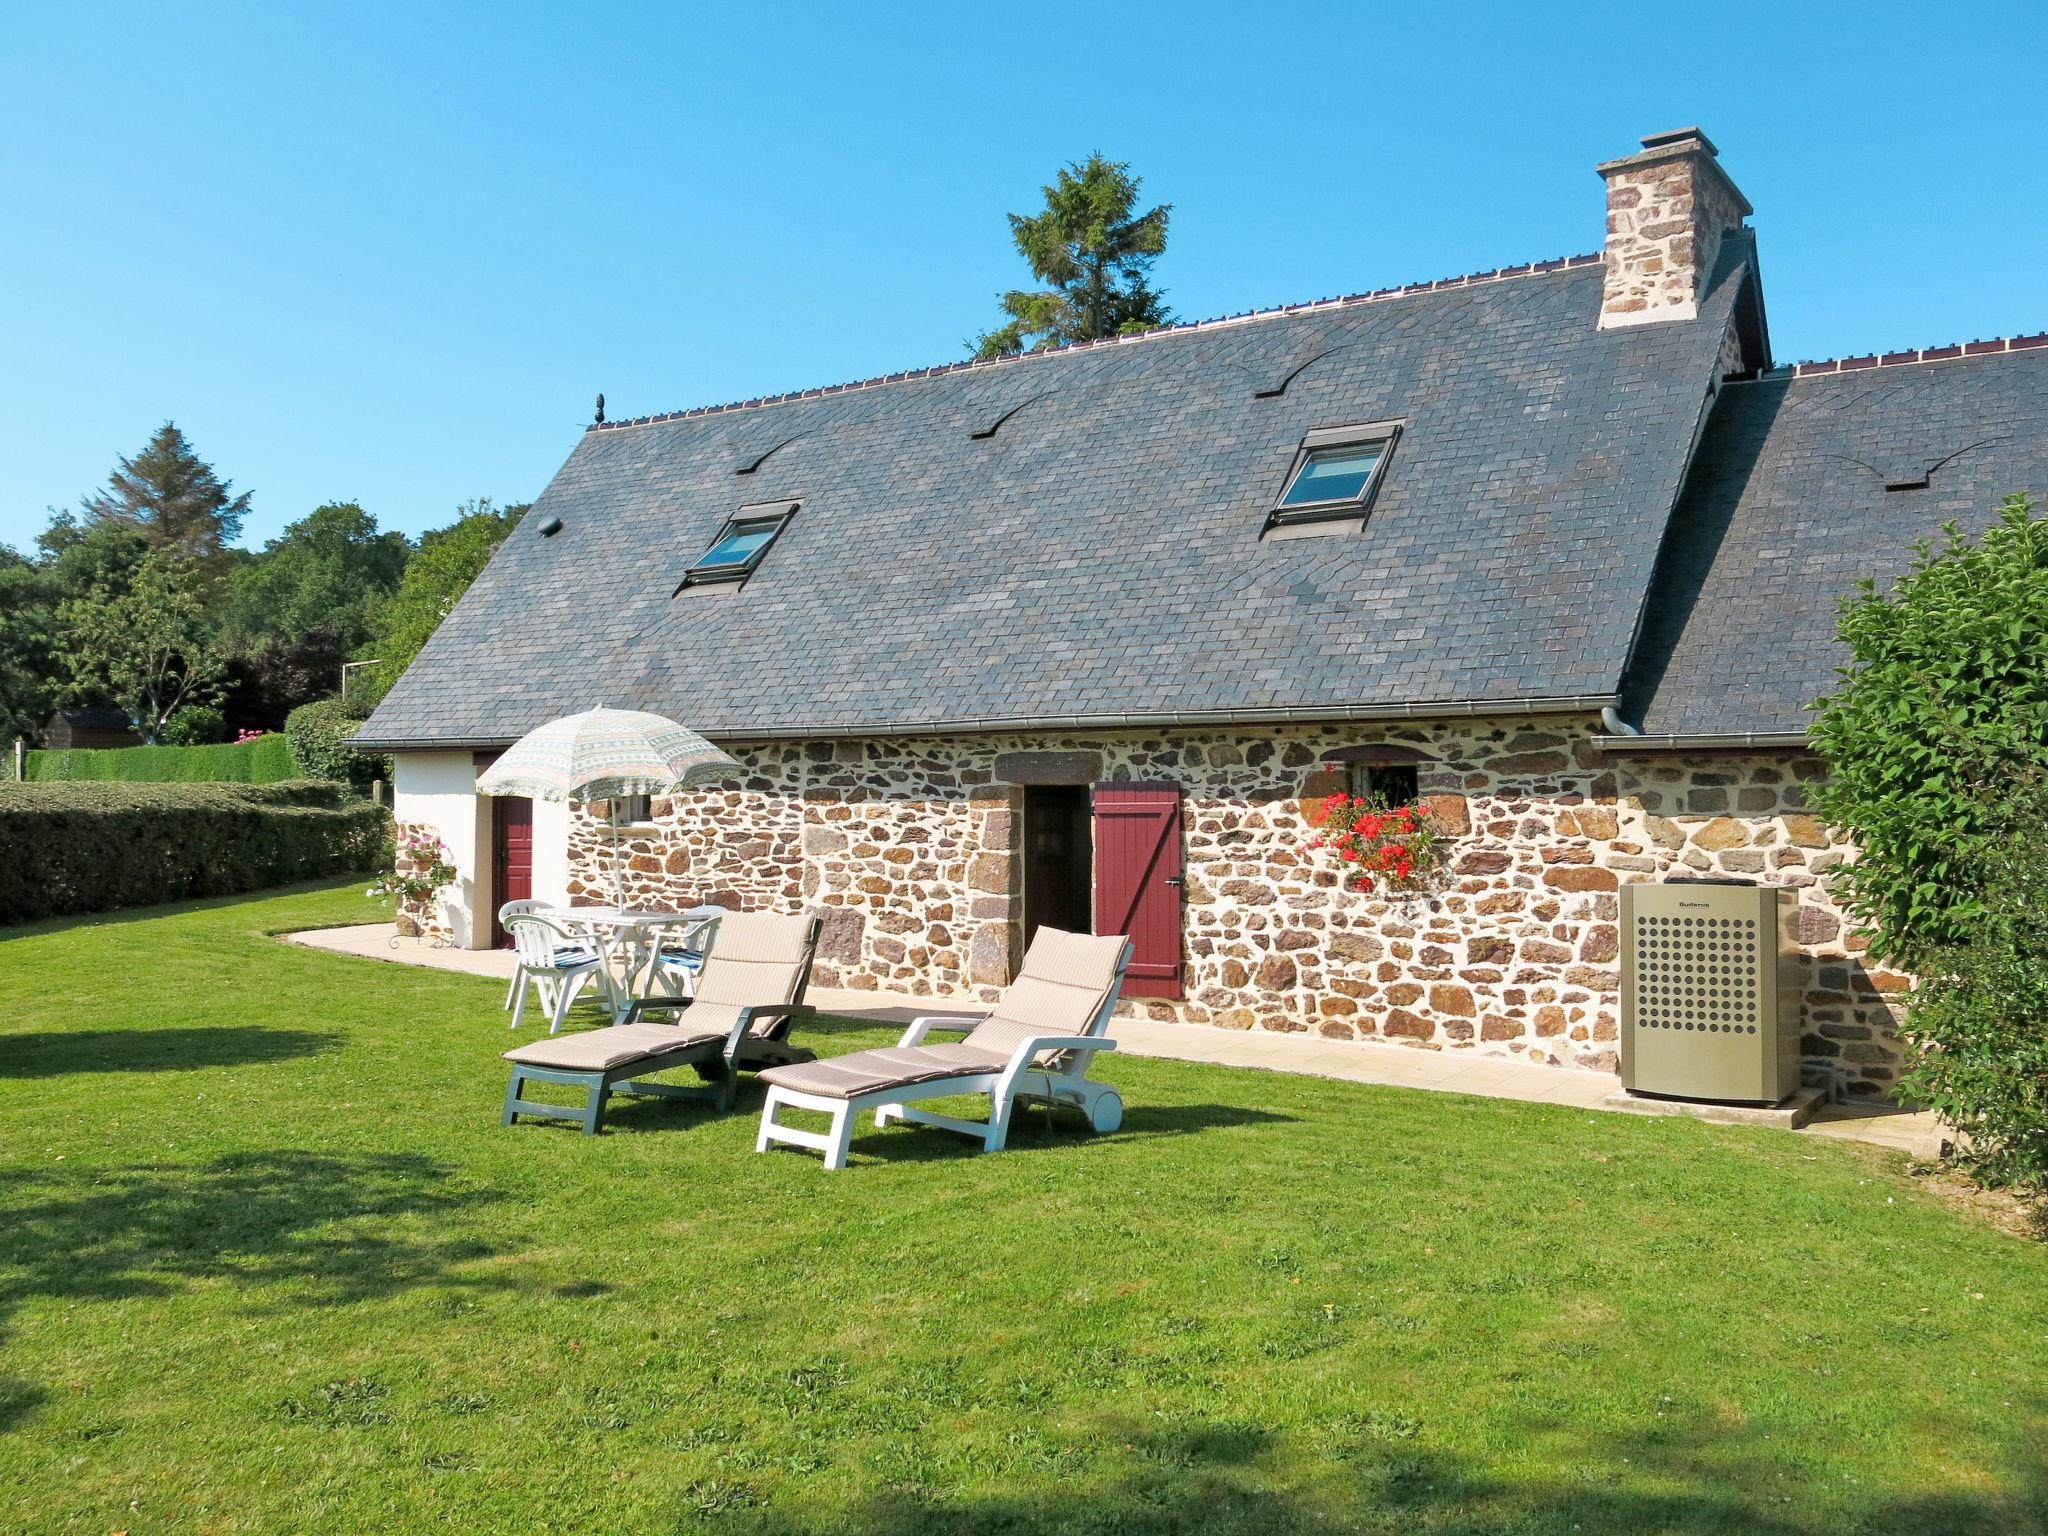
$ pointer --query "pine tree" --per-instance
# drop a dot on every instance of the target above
(1093, 252)
(173, 498)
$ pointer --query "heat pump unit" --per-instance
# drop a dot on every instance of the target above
(1709, 993)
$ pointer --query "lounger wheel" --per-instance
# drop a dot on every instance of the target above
(1106, 1113)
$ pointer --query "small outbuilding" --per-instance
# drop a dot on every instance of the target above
(99, 726)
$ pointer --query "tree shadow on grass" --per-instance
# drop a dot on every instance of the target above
(335, 1230)
(18, 1399)
(63, 1053)
(1209, 1477)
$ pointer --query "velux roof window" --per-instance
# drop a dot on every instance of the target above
(1336, 472)
(741, 544)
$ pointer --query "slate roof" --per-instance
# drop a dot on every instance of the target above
(1098, 558)
(1787, 509)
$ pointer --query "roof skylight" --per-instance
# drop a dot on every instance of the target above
(1335, 474)
(741, 545)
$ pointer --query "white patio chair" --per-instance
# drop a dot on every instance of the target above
(675, 958)
(557, 964)
(506, 913)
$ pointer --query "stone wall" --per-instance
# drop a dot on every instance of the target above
(907, 845)
(1667, 209)
(426, 916)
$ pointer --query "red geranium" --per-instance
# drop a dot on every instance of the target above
(1394, 847)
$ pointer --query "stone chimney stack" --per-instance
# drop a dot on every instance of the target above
(1667, 209)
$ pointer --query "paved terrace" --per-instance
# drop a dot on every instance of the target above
(1392, 1066)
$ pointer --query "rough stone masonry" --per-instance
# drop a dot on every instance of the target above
(908, 846)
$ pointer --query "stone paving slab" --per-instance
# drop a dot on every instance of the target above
(1394, 1066)
(1791, 1113)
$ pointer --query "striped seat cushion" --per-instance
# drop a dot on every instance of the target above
(844, 1077)
(1059, 990)
(599, 1050)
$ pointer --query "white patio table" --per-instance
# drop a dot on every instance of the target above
(632, 931)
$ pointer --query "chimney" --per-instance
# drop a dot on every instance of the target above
(1667, 209)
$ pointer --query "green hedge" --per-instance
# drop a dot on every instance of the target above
(265, 760)
(78, 847)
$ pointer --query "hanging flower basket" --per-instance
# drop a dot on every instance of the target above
(1389, 849)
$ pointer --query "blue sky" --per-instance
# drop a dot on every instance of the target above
(390, 254)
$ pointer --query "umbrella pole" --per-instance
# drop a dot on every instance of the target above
(618, 874)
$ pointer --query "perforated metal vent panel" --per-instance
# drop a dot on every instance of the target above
(1697, 973)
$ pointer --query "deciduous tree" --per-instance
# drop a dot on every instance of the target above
(440, 571)
(145, 648)
(329, 573)
(1941, 711)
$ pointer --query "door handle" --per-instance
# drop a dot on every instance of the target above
(1175, 880)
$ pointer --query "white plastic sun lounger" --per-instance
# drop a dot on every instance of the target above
(1036, 1045)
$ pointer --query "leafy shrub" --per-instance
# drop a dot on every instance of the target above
(1937, 749)
(1980, 1018)
(93, 847)
(318, 735)
(196, 725)
(1943, 706)
(263, 760)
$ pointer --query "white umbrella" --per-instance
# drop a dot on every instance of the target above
(602, 754)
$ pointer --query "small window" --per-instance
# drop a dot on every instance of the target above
(1335, 473)
(1387, 784)
(633, 809)
(740, 545)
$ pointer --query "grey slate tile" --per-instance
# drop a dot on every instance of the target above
(1099, 555)
(1786, 511)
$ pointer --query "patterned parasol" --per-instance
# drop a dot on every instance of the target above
(602, 754)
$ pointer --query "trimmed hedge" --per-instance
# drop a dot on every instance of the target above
(76, 847)
(265, 760)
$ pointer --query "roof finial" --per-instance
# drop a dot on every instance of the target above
(600, 409)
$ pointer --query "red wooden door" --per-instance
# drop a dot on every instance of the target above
(511, 857)
(1138, 880)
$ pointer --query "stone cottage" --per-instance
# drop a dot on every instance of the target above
(1082, 636)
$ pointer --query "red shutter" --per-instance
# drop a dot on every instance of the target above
(1138, 881)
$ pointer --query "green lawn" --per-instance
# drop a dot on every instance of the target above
(268, 1263)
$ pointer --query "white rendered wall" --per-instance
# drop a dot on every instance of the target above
(438, 790)
(551, 852)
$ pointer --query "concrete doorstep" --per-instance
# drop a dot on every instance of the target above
(1917, 1133)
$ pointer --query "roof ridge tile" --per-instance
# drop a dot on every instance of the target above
(1175, 328)
(1907, 357)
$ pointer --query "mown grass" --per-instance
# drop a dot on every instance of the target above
(268, 1263)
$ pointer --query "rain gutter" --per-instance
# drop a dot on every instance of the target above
(1138, 720)
(1722, 741)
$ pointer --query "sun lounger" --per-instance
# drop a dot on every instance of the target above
(750, 990)
(1036, 1045)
